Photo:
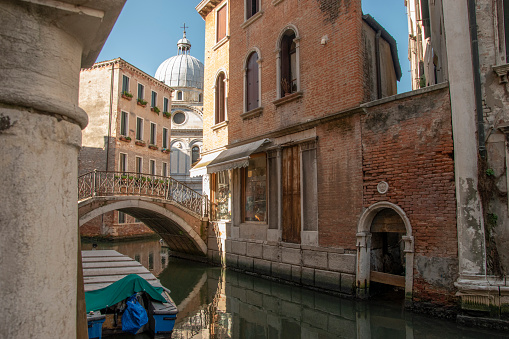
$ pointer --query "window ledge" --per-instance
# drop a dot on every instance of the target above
(256, 112)
(252, 19)
(288, 98)
(276, 2)
(221, 42)
(220, 125)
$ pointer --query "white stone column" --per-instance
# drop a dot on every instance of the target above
(40, 135)
(471, 243)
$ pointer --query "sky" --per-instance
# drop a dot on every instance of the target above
(147, 31)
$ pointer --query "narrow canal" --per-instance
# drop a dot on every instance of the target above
(216, 303)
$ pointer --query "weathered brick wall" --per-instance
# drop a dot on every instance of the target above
(339, 161)
(408, 144)
(216, 59)
(330, 75)
(130, 229)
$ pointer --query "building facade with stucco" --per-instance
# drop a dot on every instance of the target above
(129, 132)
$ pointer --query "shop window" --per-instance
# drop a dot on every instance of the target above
(254, 189)
(252, 82)
(222, 195)
(220, 103)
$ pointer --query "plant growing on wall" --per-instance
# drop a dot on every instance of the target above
(127, 95)
(142, 102)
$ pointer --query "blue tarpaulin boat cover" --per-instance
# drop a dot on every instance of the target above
(120, 290)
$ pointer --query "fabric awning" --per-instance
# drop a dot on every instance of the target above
(201, 167)
(235, 157)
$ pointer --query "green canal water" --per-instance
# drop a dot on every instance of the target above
(216, 303)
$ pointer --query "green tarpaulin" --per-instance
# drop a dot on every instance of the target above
(120, 290)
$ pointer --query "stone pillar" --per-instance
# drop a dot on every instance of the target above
(471, 244)
(40, 135)
(363, 264)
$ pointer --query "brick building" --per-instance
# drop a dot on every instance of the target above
(131, 109)
(467, 44)
(320, 173)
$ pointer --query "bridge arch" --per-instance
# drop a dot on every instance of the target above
(182, 231)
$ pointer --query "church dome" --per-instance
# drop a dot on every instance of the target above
(181, 70)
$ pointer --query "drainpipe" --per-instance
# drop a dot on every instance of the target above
(477, 77)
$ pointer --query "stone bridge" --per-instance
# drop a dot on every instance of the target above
(171, 209)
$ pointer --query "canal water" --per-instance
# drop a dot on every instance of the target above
(216, 303)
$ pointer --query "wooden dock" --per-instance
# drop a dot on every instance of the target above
(103, 267)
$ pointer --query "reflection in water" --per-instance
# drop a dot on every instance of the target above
(224, 304)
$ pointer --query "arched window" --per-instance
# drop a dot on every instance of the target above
(200, 97)
(288, 76)
(195, 154)
(220, 98)
(288, 64)
(179, 95)
(252, 82)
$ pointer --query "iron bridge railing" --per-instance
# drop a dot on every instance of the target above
(103, 184)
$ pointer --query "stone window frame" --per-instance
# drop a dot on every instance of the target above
(221, 41)
(165, 139)
(164, 169)
(139, 130)
(153, 99)
(123, 162)
(218, 124)
(141, 91)
(125, 84)
(121, 217)
(122, 120)
(138, 164)
(179, 95)
(297, 93)
(166, 104)
(152, 165)
(248, 20)
(248, 114)
(153, 133)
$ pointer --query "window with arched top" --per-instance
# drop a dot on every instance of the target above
(288, 62)
(200, 97)
(252, 82)
(195, 154)
(220, 96)
(179, 95)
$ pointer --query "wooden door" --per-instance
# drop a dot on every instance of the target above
(291, 195)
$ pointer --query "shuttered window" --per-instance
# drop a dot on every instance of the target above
(165, 105)
(125, 84)
(153, 102)
(124, 123)
(252, 7)
(220, 98)
(221, 23)
(252, 94)
(153, 129)
(141, 90)
(165, 137)
(139, 128)
(291, 185)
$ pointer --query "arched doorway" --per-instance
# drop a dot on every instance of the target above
(385, 249)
